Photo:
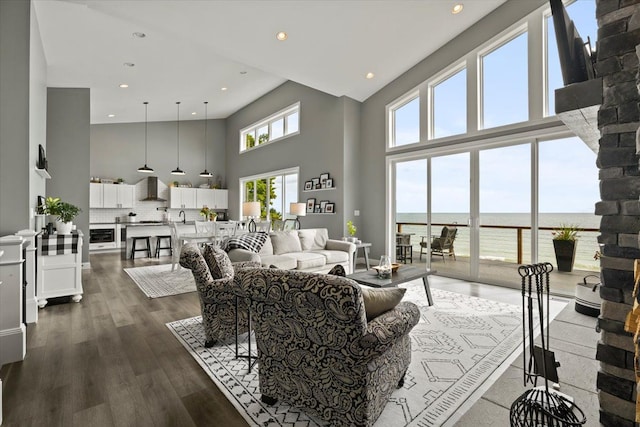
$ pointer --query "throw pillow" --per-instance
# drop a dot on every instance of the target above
(285, 242)
(251, 241)
(377, 301)
(313, 238)
(338, 270)
(218, 262)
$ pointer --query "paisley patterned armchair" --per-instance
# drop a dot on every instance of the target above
(217, 300)
(316, 350)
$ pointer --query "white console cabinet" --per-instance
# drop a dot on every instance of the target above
(59, 274)
(13, 333)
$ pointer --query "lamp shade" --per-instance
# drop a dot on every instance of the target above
(298, 209)
(251, 209)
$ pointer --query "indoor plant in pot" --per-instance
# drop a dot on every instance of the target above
(65, 212)
(564, 243)
(351, 229)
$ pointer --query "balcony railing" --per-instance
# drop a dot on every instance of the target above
(518, 228)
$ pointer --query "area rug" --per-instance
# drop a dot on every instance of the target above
(157, 281)
(459, 343)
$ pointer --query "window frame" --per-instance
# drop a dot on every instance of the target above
(431, 84)
(390, 110)
(268, 175)
(268, 121)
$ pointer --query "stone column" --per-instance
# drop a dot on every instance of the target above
(618, 121)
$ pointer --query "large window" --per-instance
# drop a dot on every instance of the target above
(405, 120)
(505, 84)
(449, 105)
(277, 126)
(275, 191)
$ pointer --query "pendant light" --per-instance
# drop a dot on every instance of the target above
(205, 173)
(145, 168)
(177, 170)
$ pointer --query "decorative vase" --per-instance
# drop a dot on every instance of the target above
(565, 254)
(64, 227)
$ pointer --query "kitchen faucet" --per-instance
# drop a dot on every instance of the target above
(184, 217)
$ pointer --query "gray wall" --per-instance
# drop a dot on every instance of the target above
(117, 150)
(68, 152)
(318, 148)
(373, 144)
(14, 115)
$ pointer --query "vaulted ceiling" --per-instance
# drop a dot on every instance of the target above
(193, 49)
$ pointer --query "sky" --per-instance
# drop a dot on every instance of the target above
(567, 167)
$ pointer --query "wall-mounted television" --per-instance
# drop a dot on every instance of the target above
(575, 56)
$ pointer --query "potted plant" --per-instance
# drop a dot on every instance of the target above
(205, 212)
(564, 243)
(351, 229)
(65, 213)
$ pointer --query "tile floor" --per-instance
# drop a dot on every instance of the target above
(573, 339)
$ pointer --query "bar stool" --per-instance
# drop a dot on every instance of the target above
(159, 246)
(134, 249)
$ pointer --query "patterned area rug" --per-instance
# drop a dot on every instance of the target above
(459, 347)
(157, 281)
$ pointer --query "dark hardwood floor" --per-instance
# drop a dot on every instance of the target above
(110, 360)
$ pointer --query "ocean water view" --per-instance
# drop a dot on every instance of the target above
(502, 244)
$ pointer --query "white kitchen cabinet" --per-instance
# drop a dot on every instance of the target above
(205, 197)
(213, 199)
(118, 196)
(222, 199)
(183, 198)
(95, 195)
(111, 196)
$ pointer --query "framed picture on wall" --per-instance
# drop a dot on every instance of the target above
(329, 183)
(323, 205)
(317, 209)
(311, 203)
(324, 177)
(308, 185)
(316, 182)
(329, 207)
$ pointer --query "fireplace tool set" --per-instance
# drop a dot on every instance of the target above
(540, 406)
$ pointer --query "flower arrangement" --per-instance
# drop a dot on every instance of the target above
(566, 232)
(351, 229)
(208, 214)
(65, 212)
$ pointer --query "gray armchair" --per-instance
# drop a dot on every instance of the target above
(316, 350)
(217, 300)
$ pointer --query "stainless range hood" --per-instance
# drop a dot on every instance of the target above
(152, 190)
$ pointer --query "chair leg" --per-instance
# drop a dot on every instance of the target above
(401, 382)
(267, 400)
(210, 343)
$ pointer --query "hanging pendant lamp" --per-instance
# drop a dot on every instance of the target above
(177, 170)
(205, 173)
(145, 168)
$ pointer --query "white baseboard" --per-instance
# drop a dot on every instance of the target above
(32, 310)
(13, 344)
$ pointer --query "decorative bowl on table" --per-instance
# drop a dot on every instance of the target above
(394, 267)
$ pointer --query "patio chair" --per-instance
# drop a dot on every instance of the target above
(442, 245)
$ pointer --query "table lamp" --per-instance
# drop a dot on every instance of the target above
(298, 209)
(251, 210)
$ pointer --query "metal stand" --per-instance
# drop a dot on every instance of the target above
(539, 406)
(251, 359)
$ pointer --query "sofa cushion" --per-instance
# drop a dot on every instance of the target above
(308, 260)
(285, 242)
(267, 248)
(251, 241)
(283, 262)
(218, 262)
(333, 256)
(377, 301)
(313, 238)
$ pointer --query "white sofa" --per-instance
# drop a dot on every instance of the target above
(302, 250)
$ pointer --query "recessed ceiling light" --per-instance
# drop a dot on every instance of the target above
(457, 8)
(129, 64)
(139, 35)
(223, 89)
(370, 75)
(111, 115)
(123, 85)
(282, 36)
(194, 113)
